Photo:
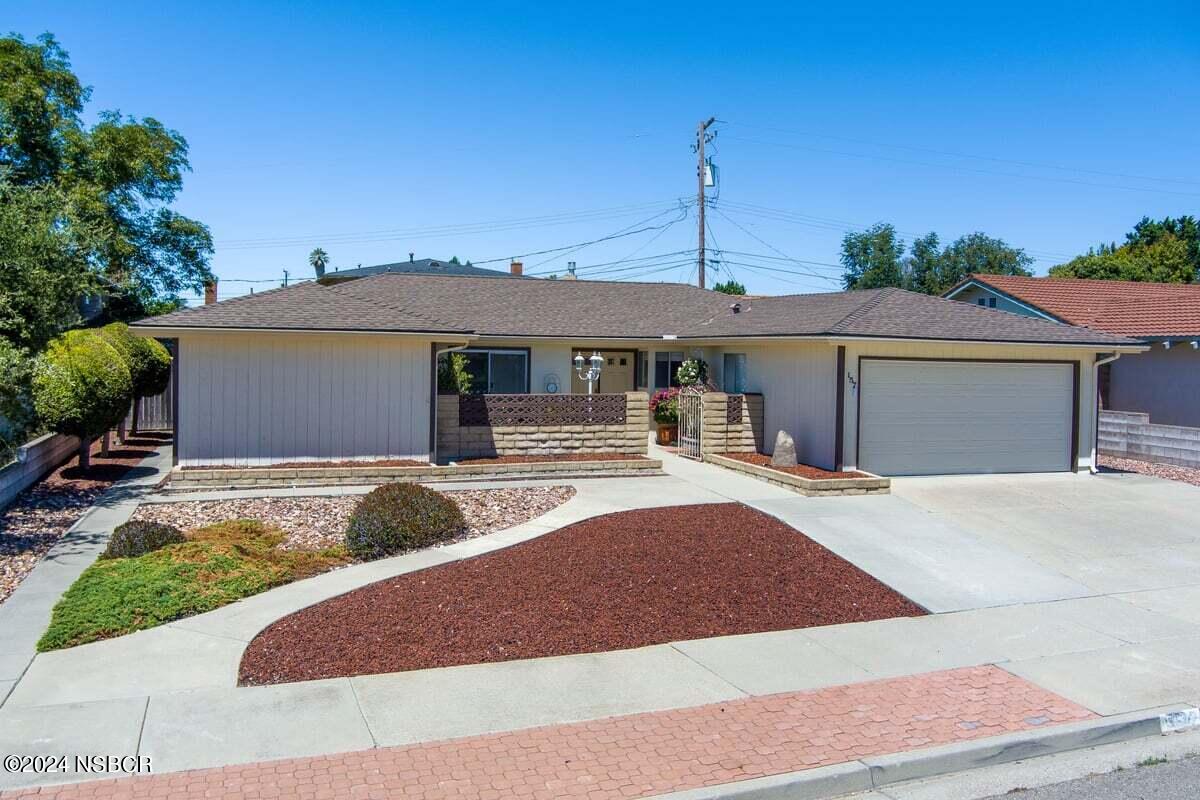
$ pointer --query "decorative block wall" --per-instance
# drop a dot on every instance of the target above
(481, 426)
(733, 423)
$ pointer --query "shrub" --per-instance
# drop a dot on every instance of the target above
(453, 377)
(138, 537)
(693, 371)
(401, 516)
(664, 405)
(81, 387)
(148, 360)
(17, 419)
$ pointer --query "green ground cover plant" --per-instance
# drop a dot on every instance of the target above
(217, 565)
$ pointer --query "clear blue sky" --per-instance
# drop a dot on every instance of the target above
(362, 126)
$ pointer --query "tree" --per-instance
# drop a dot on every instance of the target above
(117, 178)
(318, 259)
(148, 361)
(730, 287)
(921, 266)
(17, 417)
(81, 387)
(1166, 251)
(44, 267)
(872, 258)
(978, 253)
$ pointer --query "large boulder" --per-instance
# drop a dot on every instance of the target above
(784, 454)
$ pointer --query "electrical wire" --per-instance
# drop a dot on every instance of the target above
(661, 231)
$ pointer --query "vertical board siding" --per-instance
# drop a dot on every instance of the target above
(255, 399)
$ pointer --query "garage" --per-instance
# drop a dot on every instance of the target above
(933, 417)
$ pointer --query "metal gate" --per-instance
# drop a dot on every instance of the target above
(691, 421)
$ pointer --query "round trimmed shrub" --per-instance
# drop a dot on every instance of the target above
(401, 516)
(81, 386)
(148, 361)
(138, 537)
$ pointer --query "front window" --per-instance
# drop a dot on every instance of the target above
(498, 371)
(666, 365)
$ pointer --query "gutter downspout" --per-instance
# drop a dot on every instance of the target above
(1101, 360)
(433, 426)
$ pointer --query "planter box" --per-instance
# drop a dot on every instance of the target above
(809, 487)
(233, 478)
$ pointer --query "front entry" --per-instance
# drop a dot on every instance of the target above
(617, 374)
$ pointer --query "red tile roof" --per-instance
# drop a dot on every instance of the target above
(1129, 308)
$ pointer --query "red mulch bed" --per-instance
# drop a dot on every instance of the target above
(550, 459)
(383, 462)
(803, 470)
(622, 580)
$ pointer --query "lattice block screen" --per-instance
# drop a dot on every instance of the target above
(541, 409)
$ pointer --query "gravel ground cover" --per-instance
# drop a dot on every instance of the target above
(550, 458)
(618, 581)
(314, 523)
(44, 512)
(1167, 471)
(803, 470)
(385, 462)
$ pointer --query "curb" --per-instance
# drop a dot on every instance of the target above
(876, 772)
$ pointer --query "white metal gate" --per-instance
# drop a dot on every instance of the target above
(691, 421)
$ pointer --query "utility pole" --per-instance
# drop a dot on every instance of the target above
(700, 140)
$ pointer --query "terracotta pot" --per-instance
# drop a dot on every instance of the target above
(667, 433)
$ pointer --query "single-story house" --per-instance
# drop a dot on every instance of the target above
(883, 380)
(1163, 382)
(421, 266)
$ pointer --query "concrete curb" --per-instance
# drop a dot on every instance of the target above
(879, 771)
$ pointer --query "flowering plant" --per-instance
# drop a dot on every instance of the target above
(692, 372)
(664, 405)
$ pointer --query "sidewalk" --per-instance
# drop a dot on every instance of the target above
(644, 754)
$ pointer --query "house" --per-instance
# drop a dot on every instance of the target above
(882, 380)
(1163, 382)
(423, 266)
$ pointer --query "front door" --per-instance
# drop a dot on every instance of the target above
(617, 374)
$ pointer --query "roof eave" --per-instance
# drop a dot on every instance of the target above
(175, 330)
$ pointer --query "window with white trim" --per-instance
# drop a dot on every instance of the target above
(498, 371)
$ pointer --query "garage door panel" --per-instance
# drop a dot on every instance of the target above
(918, 418)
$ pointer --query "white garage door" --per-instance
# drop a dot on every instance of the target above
(945, 417)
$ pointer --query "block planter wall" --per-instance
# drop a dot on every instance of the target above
(733, 423)
(39, 457)
(1130, 434)
(484, 426)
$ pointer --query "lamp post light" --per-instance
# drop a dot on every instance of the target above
(592, 373)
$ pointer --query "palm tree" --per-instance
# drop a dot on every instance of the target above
(318, 259)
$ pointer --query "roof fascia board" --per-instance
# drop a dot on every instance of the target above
(974, 282)
(178, 330)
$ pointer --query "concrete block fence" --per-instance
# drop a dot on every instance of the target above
(36, 458)
(1129, 434)
(733, 423)
(548, 426)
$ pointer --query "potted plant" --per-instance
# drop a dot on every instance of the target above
(665, 408)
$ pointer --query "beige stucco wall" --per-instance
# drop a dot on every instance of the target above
(1087, 395)
(1162, 383)
(265, 398)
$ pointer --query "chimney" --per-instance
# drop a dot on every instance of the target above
(516, 268)
(210, 292)
(410, 258)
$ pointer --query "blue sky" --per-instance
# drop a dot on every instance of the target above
(376, 129)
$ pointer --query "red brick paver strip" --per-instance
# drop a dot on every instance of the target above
(641, 754)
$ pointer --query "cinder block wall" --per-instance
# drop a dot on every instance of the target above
(1131, 434)
(739, 432)
(42, 455)
(455, 441)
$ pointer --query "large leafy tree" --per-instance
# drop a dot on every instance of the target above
(921, 265)
(978, 253)
(117, 178)
(1163, 251)
(871, 259)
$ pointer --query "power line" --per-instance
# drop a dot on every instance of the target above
(975, 170)
(664, 229)
(953, 154)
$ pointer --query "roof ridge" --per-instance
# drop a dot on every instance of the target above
(867, 307)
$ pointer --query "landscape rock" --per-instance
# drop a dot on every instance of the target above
(784, 454)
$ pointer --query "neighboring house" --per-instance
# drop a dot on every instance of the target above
(882, 380)
(1163, 382)
(423, 266)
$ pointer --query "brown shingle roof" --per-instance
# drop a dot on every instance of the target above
(1130, 308)
(616, 310)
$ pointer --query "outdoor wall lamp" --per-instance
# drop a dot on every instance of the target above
(592, 373)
